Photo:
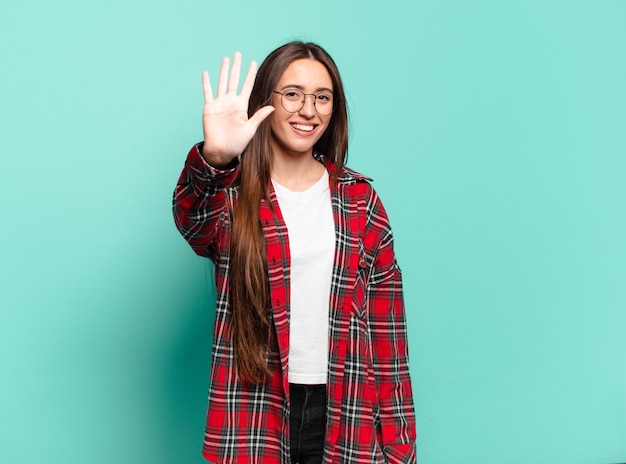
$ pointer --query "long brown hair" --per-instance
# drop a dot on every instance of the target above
(249, 282)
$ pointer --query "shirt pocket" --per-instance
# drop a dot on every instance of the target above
(359, 298)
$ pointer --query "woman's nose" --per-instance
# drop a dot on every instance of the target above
(308, 107)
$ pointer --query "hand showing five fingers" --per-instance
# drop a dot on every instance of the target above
(227, 129)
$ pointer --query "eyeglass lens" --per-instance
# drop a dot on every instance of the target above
(293, 100)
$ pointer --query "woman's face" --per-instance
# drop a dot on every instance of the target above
(294, 134)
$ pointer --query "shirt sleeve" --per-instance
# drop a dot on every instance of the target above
(388, 340)
(199, 204)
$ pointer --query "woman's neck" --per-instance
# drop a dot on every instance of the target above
(297, 173)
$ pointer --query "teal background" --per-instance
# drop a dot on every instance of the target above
(496, 134)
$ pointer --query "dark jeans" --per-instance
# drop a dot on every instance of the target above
(308, 423)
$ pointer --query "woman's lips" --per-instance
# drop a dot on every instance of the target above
(307, 128)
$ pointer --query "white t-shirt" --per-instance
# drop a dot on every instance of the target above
(311, 229)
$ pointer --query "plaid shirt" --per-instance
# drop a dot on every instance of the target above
(370, 416)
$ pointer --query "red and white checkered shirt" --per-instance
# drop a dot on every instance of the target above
(370, 415)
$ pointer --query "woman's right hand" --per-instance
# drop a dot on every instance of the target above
(227, 129)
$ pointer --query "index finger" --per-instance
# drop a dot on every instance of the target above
(248, 83)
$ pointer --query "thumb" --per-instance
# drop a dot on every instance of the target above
(259, 116)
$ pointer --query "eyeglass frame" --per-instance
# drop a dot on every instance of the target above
(304, 95)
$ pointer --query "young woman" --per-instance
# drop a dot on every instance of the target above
(310, 357)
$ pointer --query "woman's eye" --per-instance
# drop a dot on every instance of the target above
(292, 94)
(324, 97)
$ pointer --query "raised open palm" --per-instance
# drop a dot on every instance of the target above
(227, 128)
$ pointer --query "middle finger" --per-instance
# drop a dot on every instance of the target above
(233, 83)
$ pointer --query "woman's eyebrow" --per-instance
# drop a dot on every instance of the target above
(301, 87)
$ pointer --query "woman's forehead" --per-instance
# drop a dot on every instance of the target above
(306, 72)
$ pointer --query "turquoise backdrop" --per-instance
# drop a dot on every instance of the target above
(496, 134)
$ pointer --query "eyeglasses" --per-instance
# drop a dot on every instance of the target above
(293, 101)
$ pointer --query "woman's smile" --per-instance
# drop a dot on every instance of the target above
(302, 127)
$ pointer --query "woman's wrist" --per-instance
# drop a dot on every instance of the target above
(216, 160)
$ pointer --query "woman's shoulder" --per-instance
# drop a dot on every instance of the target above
(354, 186)
(346, 175)
(350, 175)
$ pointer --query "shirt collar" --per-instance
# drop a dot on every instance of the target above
(346, 176)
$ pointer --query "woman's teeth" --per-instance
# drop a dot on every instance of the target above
(303, 127)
